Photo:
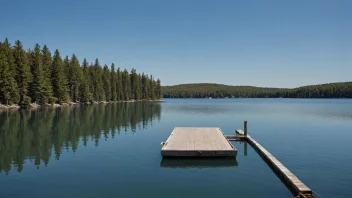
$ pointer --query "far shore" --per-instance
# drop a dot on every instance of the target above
(36, 106)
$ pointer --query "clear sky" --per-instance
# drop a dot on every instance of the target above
(261, 43)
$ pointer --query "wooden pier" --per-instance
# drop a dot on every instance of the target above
(197, 142)
(299, 189)
(211, 142)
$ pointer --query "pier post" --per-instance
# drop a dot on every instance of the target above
(245, 148)
(245, 128)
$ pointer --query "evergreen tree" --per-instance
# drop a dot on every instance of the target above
(126, 84)
(47, 62)
(66, 65)
(139, 87)
(106, 79)
(37, 91)
(75, 77)
(96, 76)
(158, 89)
(119, 87)
(145, 87)
(8, 86)
(58, 78)
(113, 83)
(23, 74)
(90, 78)
(134, 84)
(85, 94)
(152, 89)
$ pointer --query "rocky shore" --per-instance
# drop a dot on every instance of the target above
(36, 106)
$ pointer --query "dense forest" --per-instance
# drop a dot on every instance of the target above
(41, 136)
(28, 76)
(203, 90)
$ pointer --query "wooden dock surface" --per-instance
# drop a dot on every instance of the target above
(204, 142)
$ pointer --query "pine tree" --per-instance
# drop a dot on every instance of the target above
(96, 76)
(23, 74)
(158, 89)
(10, 58)
(58, 78)
(145, 87)
(106, 78)
(134, 84)
(152, 90)
(139, 87)
(85, 94)
(66, 65)
(119, 87)
(8, 84)
(126, 84)
(37, 91)
(113, 83)
(75, 78)
(47, 62)
(90, 78)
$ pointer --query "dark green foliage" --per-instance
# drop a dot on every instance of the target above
(202, 90)
(134, 84)
(152, 88)
(10, 58)
(126, 84)
(47, 87)
(145, 87)
(113, 83)
(23, 74)
(119, 90)
(37, 76)
(58, 79)
(75, 78)
(97, 85)
(8, 86)
(85, 94)
(36, 88)
(106, 78)
(158, 89)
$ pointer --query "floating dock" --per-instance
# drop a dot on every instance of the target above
(197, 142)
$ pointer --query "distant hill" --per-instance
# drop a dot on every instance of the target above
(203, 90)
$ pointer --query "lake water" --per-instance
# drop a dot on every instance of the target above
(113, 150)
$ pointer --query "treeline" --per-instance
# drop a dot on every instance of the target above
(40, 136)
(37, 76)
(204, 90)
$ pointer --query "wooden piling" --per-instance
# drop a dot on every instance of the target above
(245, 128)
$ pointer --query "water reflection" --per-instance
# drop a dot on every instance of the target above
(198, 162)
(39, 134)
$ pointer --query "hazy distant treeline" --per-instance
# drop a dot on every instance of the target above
(41, 135)
(202, 90)
(37, 76)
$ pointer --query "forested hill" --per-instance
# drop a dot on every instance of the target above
(203, 90)
(38, 76)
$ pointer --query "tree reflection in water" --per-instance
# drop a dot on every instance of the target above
(38, 134)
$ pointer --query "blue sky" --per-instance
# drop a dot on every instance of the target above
(261, 43)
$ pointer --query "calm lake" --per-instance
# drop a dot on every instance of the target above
(113, 150)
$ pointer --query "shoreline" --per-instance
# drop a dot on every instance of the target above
(14, 107)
